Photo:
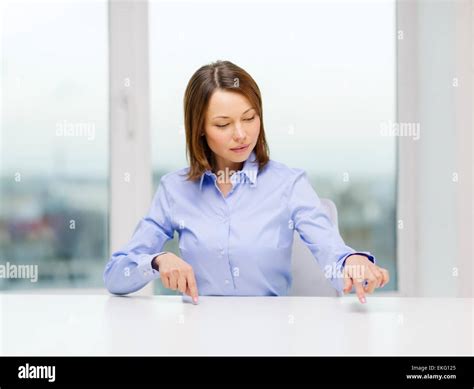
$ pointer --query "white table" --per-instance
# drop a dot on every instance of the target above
(165, 325)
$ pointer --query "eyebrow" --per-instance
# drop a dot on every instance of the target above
(226, 117)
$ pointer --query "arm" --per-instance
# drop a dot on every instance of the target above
(317, 231)
(130, 268)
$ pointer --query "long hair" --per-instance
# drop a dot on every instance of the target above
(222, 75)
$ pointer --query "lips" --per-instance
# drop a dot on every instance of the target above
(240, 148)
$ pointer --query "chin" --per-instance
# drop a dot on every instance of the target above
(241, 158)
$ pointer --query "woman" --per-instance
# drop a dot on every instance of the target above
(234, 209)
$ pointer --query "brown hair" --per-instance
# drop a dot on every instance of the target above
(222, 75)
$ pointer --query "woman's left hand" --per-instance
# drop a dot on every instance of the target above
(361, 273)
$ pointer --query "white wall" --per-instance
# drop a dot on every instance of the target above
(435, 89)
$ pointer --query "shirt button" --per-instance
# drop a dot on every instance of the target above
(226, 281)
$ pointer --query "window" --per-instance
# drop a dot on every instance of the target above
(327, 75)
(54, 142)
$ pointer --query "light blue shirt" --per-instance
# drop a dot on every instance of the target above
(239, 244)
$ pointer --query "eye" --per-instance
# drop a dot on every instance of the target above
(250, 119)
(222, 125)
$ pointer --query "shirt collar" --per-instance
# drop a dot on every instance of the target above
(250, 169)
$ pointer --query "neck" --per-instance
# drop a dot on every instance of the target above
(226, 168)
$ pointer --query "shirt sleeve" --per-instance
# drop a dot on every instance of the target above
(318, 232)
(129, 269)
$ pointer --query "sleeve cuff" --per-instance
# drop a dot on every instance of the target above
(144, 268)
(369, 256)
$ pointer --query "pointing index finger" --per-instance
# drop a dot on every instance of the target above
(360, 291)
(192, 287)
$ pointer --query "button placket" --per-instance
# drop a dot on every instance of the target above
(226, 219)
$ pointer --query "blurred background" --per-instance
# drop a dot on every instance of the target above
(372, 98)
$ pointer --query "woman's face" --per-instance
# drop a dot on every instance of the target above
(231, 122)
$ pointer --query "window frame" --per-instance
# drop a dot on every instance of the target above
(129, 118)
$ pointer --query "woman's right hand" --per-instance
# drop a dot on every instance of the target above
(176, 274)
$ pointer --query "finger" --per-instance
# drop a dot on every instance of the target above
(372, 281)
(165, 280)
(360, 291)
(192, 286)
(386, 277)
(370, 286)
(378, 275)
(174, 279)
(347, 284)
(182, 283)
(347, 274)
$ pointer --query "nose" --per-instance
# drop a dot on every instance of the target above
(238, 133)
